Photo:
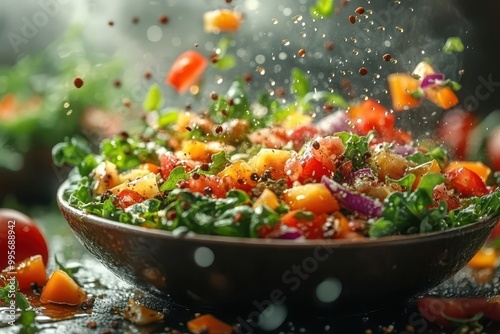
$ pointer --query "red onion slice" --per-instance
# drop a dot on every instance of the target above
(289, 233)
(432, 80)
(352, 201)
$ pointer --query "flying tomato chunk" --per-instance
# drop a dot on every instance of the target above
(455, 129)
(186, 70)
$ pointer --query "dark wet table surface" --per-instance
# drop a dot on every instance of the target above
(112, 295)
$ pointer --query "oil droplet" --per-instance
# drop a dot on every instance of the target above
(66, 105)
(394, 60)
(219, 80)
(354, 40)
(355, 52)
(274, 20)
(285, 42)
(399, 29)
(261, 70)
(69, 112)
(381, 28)
(303, 34)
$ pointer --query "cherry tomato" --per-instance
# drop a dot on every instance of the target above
(466, 182)
(186, 70)
(28, 271)
(128, 197)
(20, 238)
(493, 149)
(311, 227)
(454, 131)
(433, 308)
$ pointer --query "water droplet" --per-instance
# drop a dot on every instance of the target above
(66, 104)
(275, 21)
(285, 42)
(297, 18)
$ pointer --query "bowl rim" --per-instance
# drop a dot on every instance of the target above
(64, 206)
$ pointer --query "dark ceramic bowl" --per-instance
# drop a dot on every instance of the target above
(332, 276)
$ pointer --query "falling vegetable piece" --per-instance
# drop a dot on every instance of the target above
(140, 314)
(222, 20)
(28, 271)
(62, 289)
(186, 70)
(401, 87)
(442, 94)
(208, 324)
(453, 44)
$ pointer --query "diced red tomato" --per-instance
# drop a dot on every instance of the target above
(313, 170)
(466, 182)
(168, 162)
(20, 238)
(186, 70)
(441, 193)
(300, 135)
(370, 115)
(128, 197)
(454, 131)
(208, 185)
(433, 308)
(311, 227)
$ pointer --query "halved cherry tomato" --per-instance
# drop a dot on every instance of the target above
(454, 131)
(466, 182)
(20, 238)
(28, 271)
(312, 226)
(433, 308)
(186, 70)
(128, 197)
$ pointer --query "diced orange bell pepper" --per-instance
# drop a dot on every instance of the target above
(314, 197)
(28, 271)
(209, 324)
(401, 87)
(486, 258)
(222, 20)
(62, 289)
